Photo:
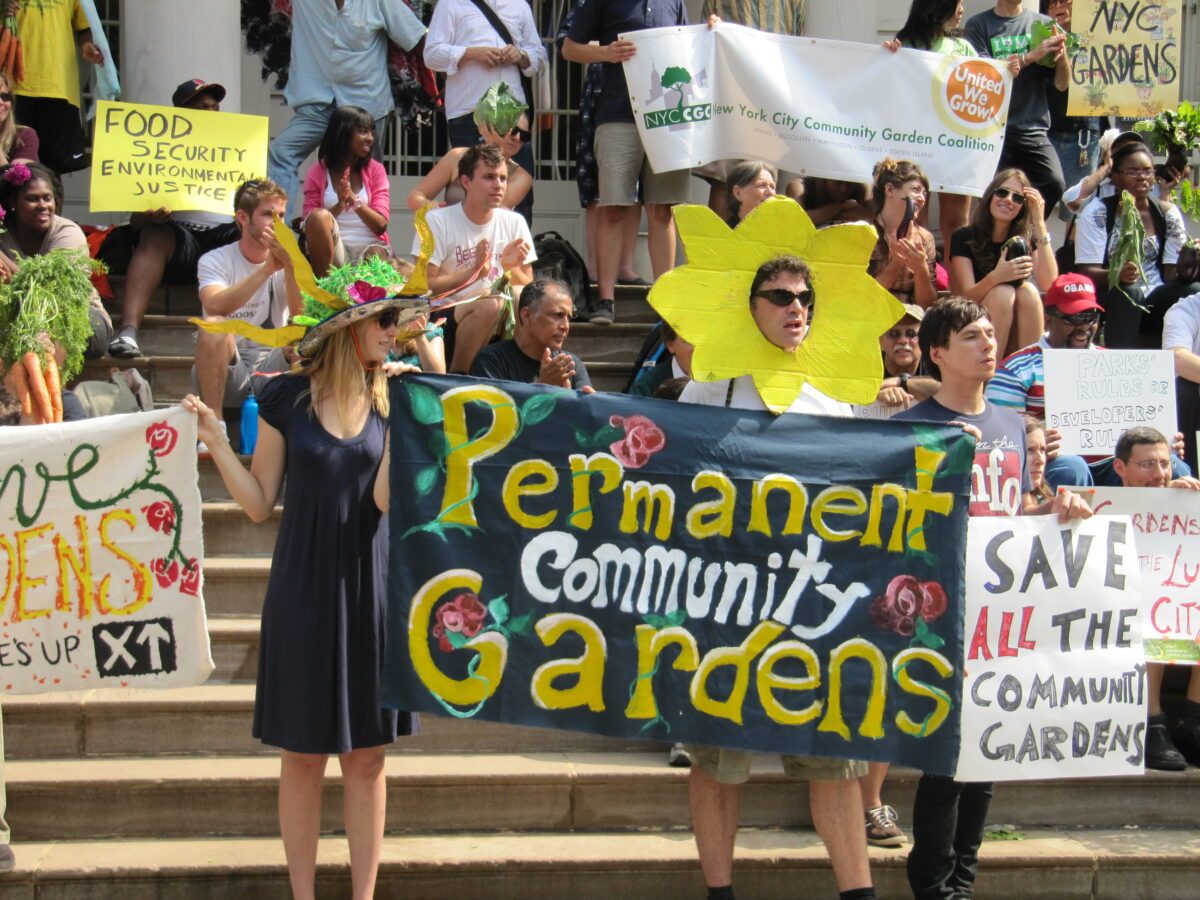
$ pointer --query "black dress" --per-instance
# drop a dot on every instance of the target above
(324, 617)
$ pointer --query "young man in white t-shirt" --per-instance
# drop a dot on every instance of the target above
(466, 234)
(251, 280)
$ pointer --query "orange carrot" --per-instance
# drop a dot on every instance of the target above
(54, 387)
(19, 66)
(20, 384)
(11, 59)
(37, 387)
(6, 39)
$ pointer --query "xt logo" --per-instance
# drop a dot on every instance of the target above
(134, 648)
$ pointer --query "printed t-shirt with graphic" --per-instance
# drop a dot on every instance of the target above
(1090, 241)
(1000, 37)
(47, 31)
(456, 238)
(603, 21)
(267, 307)
(999, 477)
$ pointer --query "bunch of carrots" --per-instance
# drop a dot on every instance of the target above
(12, 55)
(45, 307)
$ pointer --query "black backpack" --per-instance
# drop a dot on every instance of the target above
(556, 258)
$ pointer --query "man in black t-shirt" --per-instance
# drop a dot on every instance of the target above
(958, 344)
(535, 354)
(1003, 33)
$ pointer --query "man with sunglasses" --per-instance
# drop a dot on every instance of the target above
(478, 44)
(782, 302)
(906, 378)
(1072, 319)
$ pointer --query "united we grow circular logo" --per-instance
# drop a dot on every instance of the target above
(969, 94)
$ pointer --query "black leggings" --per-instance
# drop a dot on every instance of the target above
(1123, 320)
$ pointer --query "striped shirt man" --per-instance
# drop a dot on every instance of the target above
(776, 16)
(1020, 381)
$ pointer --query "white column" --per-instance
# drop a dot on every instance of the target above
(167, 42)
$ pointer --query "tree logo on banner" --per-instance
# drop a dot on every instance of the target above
(676, 88)
(969, 94)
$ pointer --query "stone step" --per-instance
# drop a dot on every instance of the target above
(228, 531)
(234, 644)
(545, 791)
(1049, 864)
(235, 585)
(175, 336)
(212, 485)
(215, 719)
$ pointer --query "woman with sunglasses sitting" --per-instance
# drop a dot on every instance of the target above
(1007, 281)
(443, 177)
(347, 200)
(1155, 285)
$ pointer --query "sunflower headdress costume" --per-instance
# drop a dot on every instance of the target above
(706, 301)
(346, 295)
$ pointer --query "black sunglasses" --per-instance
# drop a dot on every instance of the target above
(896, 333)
(783, 297)
(1006, 194)
(6, 97)
(388, 319)
(1087, 317)
(524, 134)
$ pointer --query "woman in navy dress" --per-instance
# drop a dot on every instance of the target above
(323, 621)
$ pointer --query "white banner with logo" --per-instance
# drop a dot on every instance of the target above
(101, 555)
(826, 108)
(1052, 646)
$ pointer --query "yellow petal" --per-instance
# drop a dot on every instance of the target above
(707, 301)
(268, 337)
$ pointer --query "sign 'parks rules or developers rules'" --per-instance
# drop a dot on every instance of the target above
(147, 157)
(643, 568)
(815, 107)
(1054, 666)
(101, 555)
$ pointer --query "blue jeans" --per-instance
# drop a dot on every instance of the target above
(947, 829)
(461, 131)
(300, 138)
(1068, 471)
(1066, 145)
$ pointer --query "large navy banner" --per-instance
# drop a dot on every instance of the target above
(636, 567)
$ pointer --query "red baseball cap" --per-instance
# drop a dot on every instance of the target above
(1072, 293)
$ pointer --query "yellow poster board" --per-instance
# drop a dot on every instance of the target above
(1130, 59)
(146, 157)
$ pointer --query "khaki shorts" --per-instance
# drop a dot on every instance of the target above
(728, 766)
(622, 161)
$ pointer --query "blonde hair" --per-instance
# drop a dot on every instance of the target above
(335, 371)
(8, 128)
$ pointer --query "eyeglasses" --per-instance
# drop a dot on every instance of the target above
(388, 319)
(1006, 194)
(524, 134)
(1136, 173)
(1151, 465)
(6, 96)
(782, 297)
(896, 334)
(1087, 317)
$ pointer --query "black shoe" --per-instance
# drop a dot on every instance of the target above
(1186, 735)
(601, 313)
(1160, 752)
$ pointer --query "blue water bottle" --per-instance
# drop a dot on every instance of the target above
(249, 424)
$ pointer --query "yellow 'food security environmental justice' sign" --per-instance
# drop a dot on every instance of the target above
(147, 157)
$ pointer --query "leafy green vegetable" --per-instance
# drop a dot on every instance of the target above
(51, 295)
(1173, 130)
(1042, 31)
(1131, 237)
(499, 108)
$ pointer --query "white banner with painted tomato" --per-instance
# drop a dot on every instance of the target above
(826, 108)
(101, 554)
